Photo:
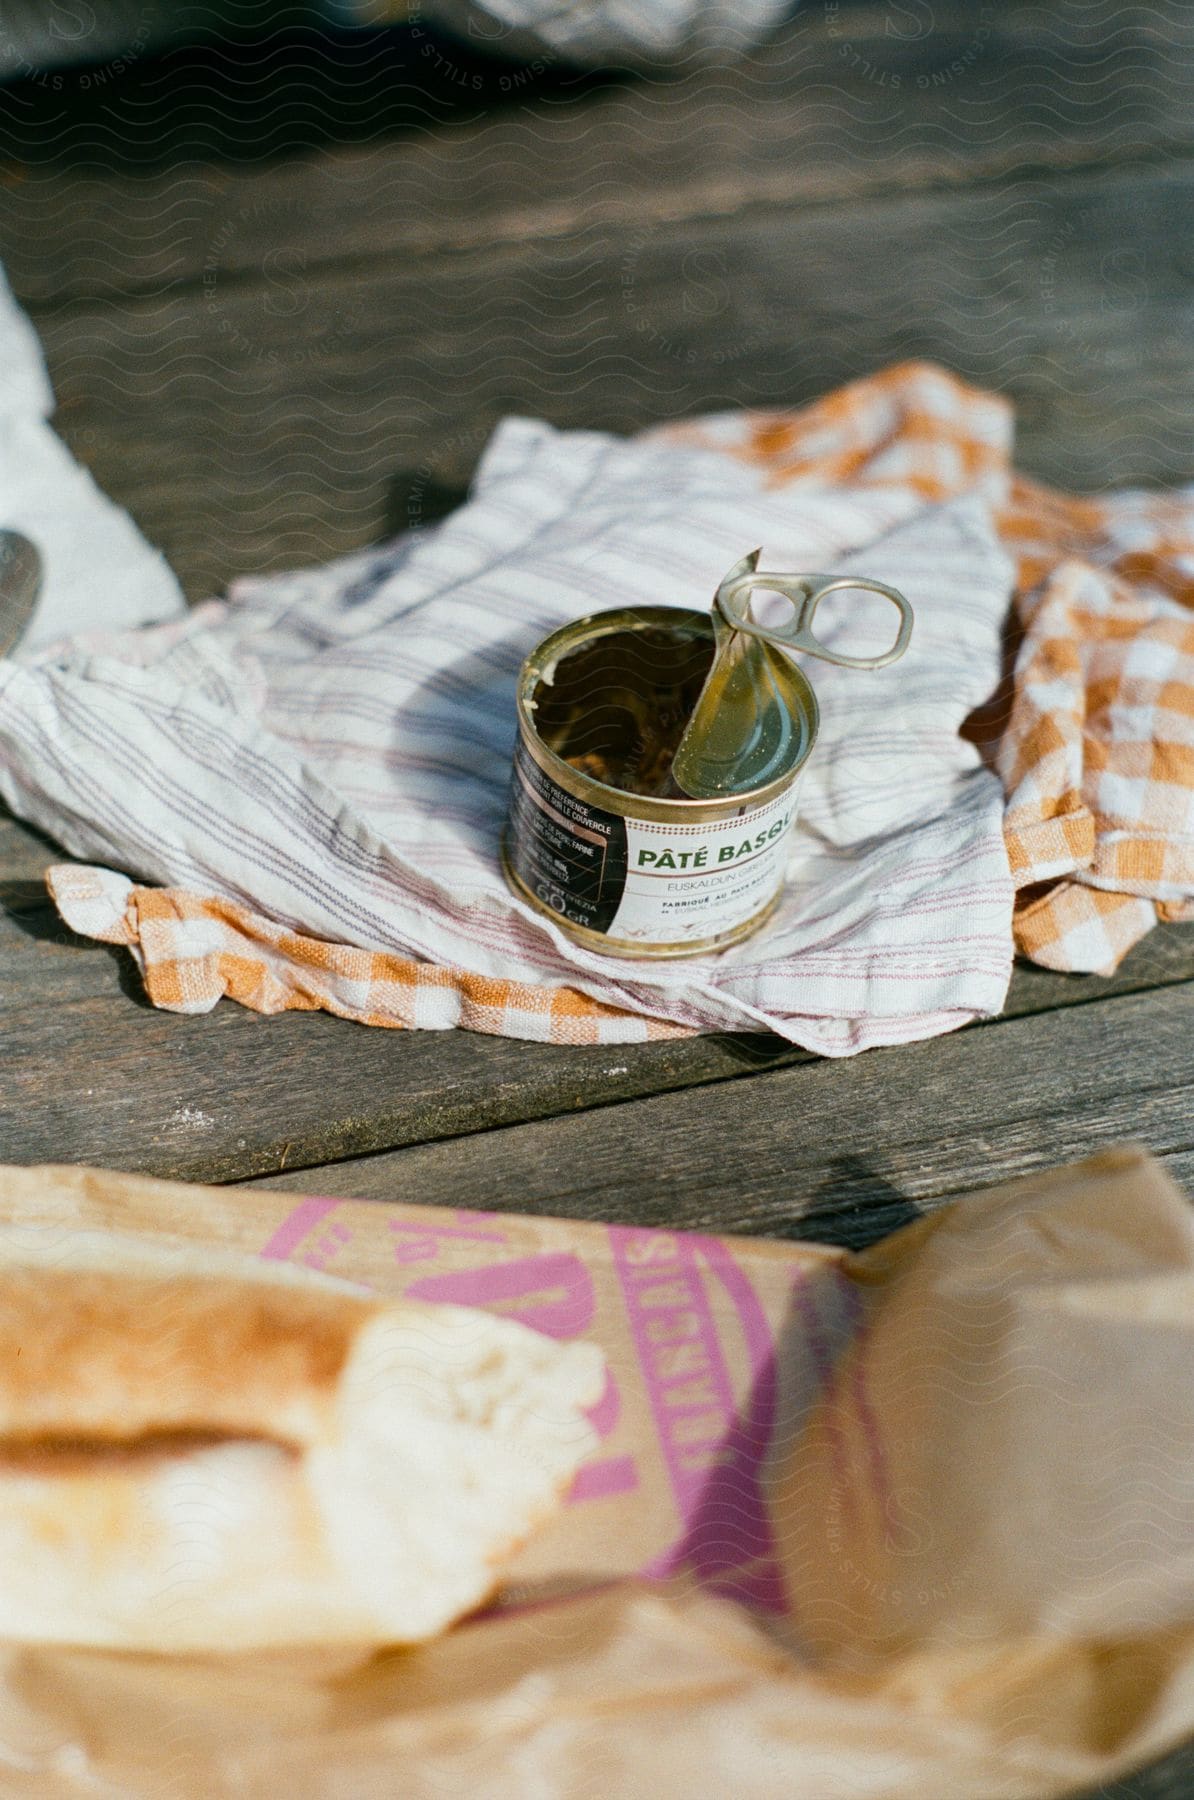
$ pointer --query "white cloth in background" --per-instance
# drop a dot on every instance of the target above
(625, 33)
(99, 571)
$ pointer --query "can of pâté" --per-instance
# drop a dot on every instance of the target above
(594, 839)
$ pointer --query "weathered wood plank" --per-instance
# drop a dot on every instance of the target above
(257, 426)
(435, 153)
(24, 856)
(831, 1150)
(89, 1072)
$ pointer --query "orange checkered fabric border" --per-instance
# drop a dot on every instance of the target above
(1095, 744)
(193, 950)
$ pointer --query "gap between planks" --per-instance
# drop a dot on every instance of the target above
(879, 1136)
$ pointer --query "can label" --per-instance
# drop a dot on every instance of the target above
(638, 880)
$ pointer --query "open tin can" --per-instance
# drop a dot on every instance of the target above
(599, 835)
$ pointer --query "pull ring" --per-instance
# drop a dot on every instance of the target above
(806, 593)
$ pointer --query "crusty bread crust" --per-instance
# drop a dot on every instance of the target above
(203, 1453)
(113, 1356)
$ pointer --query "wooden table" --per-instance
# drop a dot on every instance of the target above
(285, 296)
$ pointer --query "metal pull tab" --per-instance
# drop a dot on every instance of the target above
(806, 593)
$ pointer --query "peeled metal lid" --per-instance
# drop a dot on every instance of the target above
(740, 732)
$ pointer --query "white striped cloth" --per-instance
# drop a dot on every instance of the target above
(332, 748)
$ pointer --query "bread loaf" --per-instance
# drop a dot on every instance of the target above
(205, 1453)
